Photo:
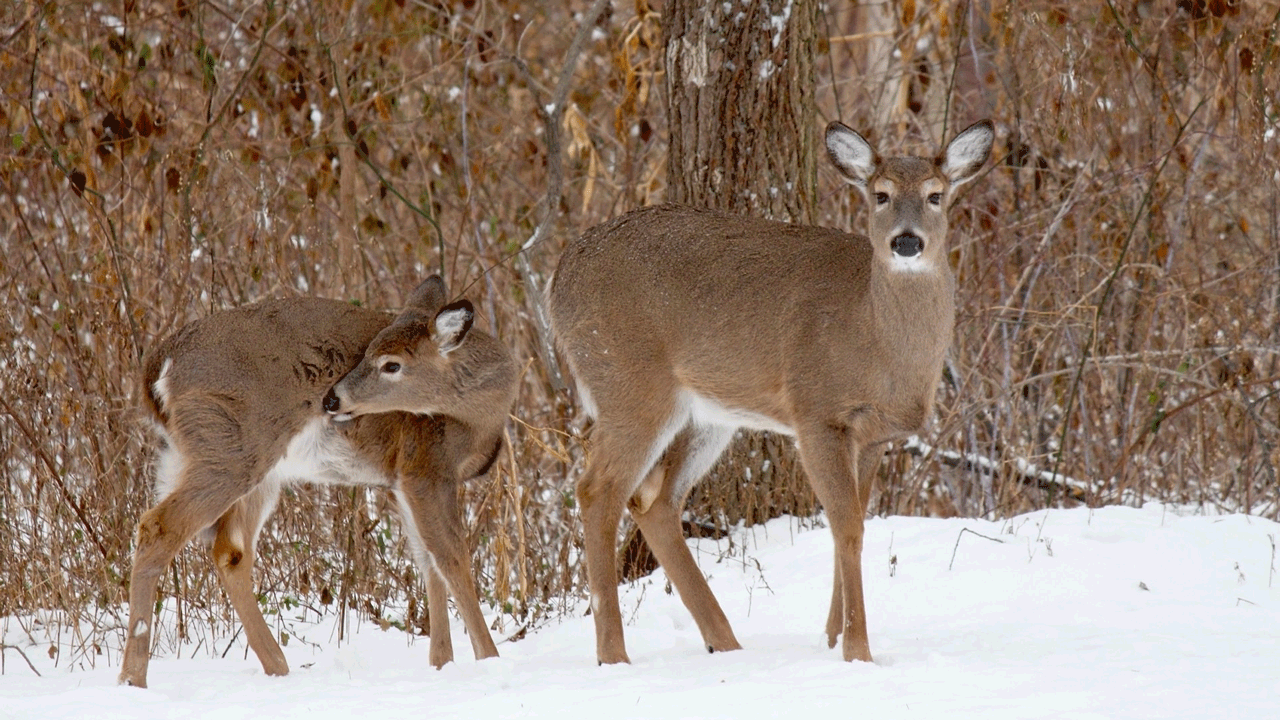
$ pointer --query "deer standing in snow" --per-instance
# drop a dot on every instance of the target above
(246, 402)
(682, 325)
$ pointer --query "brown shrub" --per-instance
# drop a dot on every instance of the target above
(1118, 266)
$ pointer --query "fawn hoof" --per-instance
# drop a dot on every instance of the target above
(131, 681)
(274, 664)
(612, 659)
(861, 653)
(724, 647)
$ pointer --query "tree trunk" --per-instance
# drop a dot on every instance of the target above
(741, 117)
(740, 106)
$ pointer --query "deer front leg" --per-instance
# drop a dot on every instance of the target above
(868, 461)
(431, 508)
(827, 455)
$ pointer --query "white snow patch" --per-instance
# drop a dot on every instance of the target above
(1112, 612)
(316, 118)
(113, 22)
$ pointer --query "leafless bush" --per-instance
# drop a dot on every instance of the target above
(1119, 265)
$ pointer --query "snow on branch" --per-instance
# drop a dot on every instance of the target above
(1026, 472)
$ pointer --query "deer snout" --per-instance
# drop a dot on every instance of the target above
(906, 245)
(333, 405)
(331, 402)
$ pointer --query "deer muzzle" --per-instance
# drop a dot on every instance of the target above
(333, 405)
(906, 245)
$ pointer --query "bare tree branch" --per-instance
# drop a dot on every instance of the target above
(552, 116)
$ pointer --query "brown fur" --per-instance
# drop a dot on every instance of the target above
(229, 393)
(822, 334)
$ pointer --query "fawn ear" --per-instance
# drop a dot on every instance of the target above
(452, 324)
(851, 154)
(428, 297)
(967, 153)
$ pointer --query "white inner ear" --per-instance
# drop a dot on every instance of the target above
(851, 153)
(449, 326)
(967, 152)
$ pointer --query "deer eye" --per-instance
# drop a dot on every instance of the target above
(882, 198)
(390, 367)
(935, 198)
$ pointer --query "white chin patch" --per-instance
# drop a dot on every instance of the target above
(915, 263)
(342, 417)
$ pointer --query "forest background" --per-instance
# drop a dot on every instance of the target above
(1118, 264)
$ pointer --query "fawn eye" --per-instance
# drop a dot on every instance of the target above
(390, 367)
(935, 198)
(882, 198)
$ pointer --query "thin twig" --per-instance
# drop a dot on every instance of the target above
(960, 535)
(1272, 574)
(24, 657)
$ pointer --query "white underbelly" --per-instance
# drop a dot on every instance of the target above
(321, 454)
(706, 411)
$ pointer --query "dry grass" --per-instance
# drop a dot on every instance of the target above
(1119, 265)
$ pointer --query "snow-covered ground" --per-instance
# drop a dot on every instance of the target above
(1110, 613)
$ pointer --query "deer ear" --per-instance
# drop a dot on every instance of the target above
(851, 154)
(968, 152)
(452, 324)
(428, 297)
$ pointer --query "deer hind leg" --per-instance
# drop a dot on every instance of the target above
(827, 454)
(868, 461)
(233, 555)
(656, 508)
(201, 495)
(623, 450)
(430, 510)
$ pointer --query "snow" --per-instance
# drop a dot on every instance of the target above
(1109, 613)
(779, 23)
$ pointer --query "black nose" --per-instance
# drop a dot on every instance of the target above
(906, 245)
(331, 401)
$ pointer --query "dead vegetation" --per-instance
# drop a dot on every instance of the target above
(1118, 268)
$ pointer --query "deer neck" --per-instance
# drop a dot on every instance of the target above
(914, 306)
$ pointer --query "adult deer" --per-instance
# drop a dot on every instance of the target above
(682, 325)
(244, 405)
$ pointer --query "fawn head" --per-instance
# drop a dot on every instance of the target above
(908, 197)
(427, 361)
